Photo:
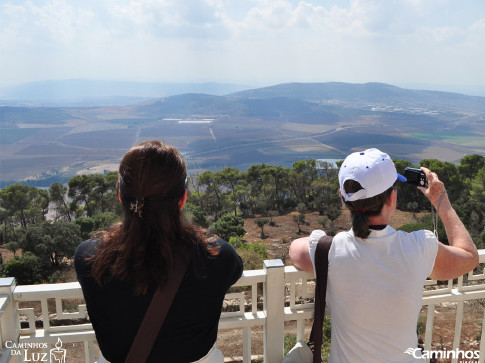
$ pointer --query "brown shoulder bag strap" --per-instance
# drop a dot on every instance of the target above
(157, 311)
(321, 267)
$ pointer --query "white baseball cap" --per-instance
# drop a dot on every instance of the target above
(373, 169)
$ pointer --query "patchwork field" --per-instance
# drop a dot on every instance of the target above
(39, 144)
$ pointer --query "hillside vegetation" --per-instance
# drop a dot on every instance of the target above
(43, 227)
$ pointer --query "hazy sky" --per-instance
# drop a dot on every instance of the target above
(254, 42)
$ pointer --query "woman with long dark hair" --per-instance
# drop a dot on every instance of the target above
(120, 270)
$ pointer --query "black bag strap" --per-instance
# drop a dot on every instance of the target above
(321, 268)
(157, 311)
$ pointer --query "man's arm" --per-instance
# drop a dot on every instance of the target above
(300, 254)
(461, 255)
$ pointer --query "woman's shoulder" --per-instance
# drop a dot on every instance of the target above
(225, 249)
(227, 259)
(83, 252)
(87, 248)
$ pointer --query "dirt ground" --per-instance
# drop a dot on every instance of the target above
(278, 237)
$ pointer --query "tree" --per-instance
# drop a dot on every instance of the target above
(475, 203)
(79, 191)
(94, 193)
(448, 174)
(86, 226)
(325, 195)
(470, 165)
(58, 196)
(212, 199)
(268, 188)
(260, 222)
(272, 214)
(229, 226)
(15, 200)
(3, 226)
(280, 179)
(230, 178)
(299, 219)
(52, 241)
(260, 188)
(413, 206)
(303, 174)
(326, 170)
(24, 204)
(39, 205)
(194, 190)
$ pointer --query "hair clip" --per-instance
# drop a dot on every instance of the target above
(137, 207)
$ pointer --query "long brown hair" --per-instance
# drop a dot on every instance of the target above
(151, 182)
(361, 209)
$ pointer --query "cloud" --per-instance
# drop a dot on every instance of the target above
(262, 40)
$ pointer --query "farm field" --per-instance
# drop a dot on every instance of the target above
(241, 129)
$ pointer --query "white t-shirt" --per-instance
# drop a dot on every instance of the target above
(374, 292)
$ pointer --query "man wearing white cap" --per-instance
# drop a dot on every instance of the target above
(375, 273)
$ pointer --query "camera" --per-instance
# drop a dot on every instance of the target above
(415, 177)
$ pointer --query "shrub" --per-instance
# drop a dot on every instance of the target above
(86, 225)
(333, 214)
(290, 341)
(27, 269)
(323, 221)
(260, 222)
(99, 222)
(252, 254)
(251, 259)
(195, 215)
(272, 213)
(229, 226)
(105, 220)
(259, 247)
(55, 277)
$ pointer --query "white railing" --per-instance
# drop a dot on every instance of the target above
(285, 293)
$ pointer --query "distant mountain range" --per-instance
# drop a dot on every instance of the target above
(275, 125)
(312, 101)
(363, 93)
(78, 92)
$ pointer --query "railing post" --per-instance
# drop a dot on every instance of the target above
(9, 328)
(274, 305)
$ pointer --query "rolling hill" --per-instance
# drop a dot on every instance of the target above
(274, 125)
